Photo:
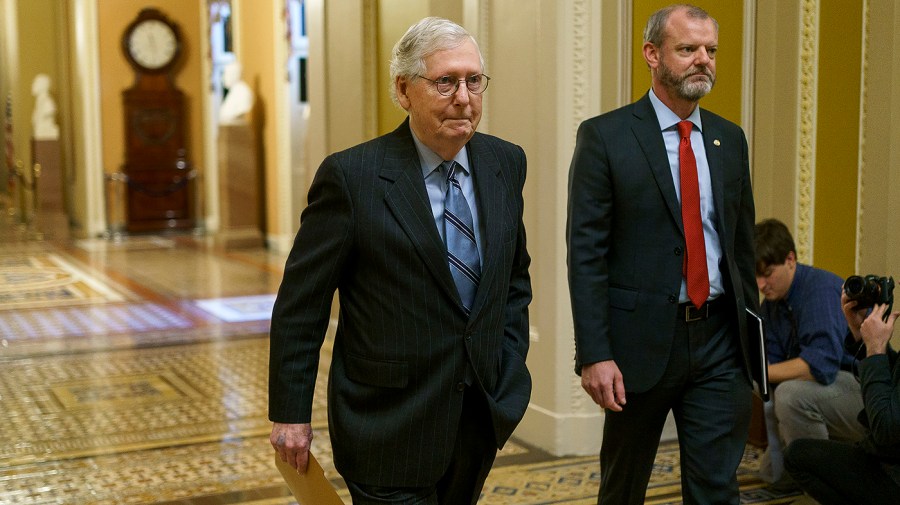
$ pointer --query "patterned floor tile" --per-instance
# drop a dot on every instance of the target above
(148, 399)
(73, 322)
(62, 407)
(183, 273)
(42, 279)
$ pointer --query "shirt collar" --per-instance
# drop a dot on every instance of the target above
(799, 276)
(430, 160)
(667, 118)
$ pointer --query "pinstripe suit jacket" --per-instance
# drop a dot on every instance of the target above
(403, 343)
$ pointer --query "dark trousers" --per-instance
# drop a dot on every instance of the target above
(836, 473)
(705, 388)
(463, 480)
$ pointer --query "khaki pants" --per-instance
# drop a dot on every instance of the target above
(807, 409)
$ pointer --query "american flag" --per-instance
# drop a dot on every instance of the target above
(10, 155)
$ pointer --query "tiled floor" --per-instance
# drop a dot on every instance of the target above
(134, 371)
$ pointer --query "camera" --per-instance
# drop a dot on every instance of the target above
(870, 290)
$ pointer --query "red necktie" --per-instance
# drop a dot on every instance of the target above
(695, 262)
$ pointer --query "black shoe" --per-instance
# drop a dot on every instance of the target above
(785, 486)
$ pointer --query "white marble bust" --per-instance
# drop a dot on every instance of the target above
(43, 118)
(239, 99)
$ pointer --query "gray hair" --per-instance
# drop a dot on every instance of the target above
(428, 36)
(655, 31)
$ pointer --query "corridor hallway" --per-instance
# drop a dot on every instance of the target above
(134, 371)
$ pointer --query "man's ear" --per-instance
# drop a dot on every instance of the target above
(401, 85)
(651, 55)
(791, 258)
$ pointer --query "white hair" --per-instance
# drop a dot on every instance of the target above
(428, 36)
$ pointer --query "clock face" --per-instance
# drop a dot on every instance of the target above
(152, 44)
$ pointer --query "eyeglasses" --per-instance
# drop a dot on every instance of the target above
(447, 85)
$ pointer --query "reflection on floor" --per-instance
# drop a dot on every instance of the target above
(134, 371)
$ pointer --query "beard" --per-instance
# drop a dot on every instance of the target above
(685, 88)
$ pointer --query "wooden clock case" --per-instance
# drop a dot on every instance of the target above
(158, 173)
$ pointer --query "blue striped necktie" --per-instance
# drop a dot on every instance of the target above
(462, 251)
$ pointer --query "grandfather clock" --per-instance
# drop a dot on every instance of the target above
(158, 172)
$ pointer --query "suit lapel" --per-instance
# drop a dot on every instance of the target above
(646, 130)
(491, 198)
(711, 142)
(406, 197)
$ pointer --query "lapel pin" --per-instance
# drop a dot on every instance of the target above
(716, 142)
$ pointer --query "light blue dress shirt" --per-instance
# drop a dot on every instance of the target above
(668, 123)
(436, 185)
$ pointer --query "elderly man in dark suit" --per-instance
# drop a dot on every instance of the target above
(421, 233)
(661, 268)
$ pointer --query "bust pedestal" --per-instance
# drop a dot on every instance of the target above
(49, 201)
(240, 188)
(49, 188)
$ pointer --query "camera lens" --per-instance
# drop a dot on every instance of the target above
(854, 286)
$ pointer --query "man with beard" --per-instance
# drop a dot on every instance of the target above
(661, 270)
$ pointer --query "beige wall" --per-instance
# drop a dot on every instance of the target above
(31, 46)
(528, 105)
(351, 71)
(824, 161)
(837, 135)
(776, 98)
(878, 231)
(255, 50)
(38, 54)
(6, 33)
(394, 18)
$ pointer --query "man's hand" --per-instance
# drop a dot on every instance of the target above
(292, 442)
(792, 369)
(876, 331)
(603, 381)
(854, 316)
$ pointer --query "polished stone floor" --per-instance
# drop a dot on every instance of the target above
(134, 372)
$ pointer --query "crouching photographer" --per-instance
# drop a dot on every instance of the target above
(868, 472)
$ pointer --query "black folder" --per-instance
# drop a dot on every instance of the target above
(759, 361)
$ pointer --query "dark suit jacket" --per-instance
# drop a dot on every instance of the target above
(403, 342)
(626, 239)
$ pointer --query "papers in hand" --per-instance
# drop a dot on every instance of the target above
(310, 488)
(759, 361)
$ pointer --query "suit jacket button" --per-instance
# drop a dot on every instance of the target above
(678, 251)
(673, 299)
(460, 386)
